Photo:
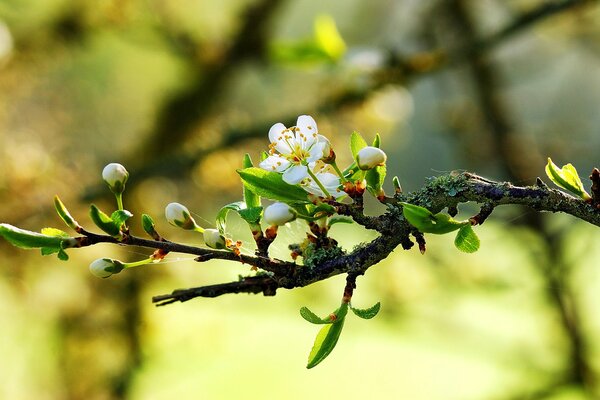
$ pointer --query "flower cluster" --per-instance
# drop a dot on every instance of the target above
(300, 153)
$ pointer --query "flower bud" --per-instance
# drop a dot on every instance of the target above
(105, 267)
(115, 175)
(370, 157)
(214, 239)
(279, 214)
(328, 153)
(178, 215)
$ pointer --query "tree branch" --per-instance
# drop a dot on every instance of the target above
(439, 193)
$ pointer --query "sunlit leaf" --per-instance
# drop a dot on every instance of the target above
(425, 221)
(271, 185)
(328, 37)
(313, 318)
(64, 214)
(29, 240)
(357, 142)
(104, 222)
(221, 219)
(119, 217)
(148, 224)
(325, 342)
(375, 178)
(338, 219)
(54, 232)
(466, 239)
(566, 178)
(367, 313)
(377, 141)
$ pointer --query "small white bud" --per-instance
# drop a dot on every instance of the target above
(115, 175)
(370, 157)
(214, 239)
(328, 153)
(105, 267)
(178, 215)
(279, 214)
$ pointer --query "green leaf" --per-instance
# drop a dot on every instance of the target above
(30, 240)
(252, 199)
(338, 219)
(466, 239)
(313, 318)
(104, 222)
(375, 178)
(328, 37)
(64, 214)
(425, 221)
(377, 141)
(271, 185)
(55, 232)
(357, 142)
(148, 225)
(325, 342)
(566, 178)
(119, 217)
(367, 313)
(62, 255)
(251, 215)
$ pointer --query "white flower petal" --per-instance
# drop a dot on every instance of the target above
(277, 135)
(317, 152)
(295, 174)
(275, 163)
(308, 133)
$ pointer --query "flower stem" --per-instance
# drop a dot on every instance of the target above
(138, 263)
(340, 174)
(119, 197)
(318, 182)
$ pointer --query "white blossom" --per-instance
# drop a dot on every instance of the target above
(105, 267)
(330, 182)
(214, 239)
(293, 149)
(178, 215)
(115, 175)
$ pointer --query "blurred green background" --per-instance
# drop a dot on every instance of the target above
(179, 91)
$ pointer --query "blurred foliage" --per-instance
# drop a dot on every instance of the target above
(84, 83)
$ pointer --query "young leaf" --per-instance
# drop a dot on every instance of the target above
(466, 239)
(251, 215)
(328, 38)
(375, 178)
(313, 318)
(325, 342)
(64, 214)
(148, 225)
(338, 219)
(377, 141)
(54, 232)
(119, 217)
(366, 313)
(104, 222)
(566, 178)
(222, 214)
(425, 221)
(271, 185)
(357, 142)
(30, 240)
(251, 198)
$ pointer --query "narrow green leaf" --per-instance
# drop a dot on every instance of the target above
(357, 142)
(466, 239)
(271, 185)
(251, 198)
(25, 239)
(120, 217)
(375, 178)
(425, 221)
(338, 219)
(62, 255)
(313, 318)
(325, 342)
(367, 313)
(566, 178)
(377, 141)
(148, 225)
(64, 214)
(104, 222)
(221, 219)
